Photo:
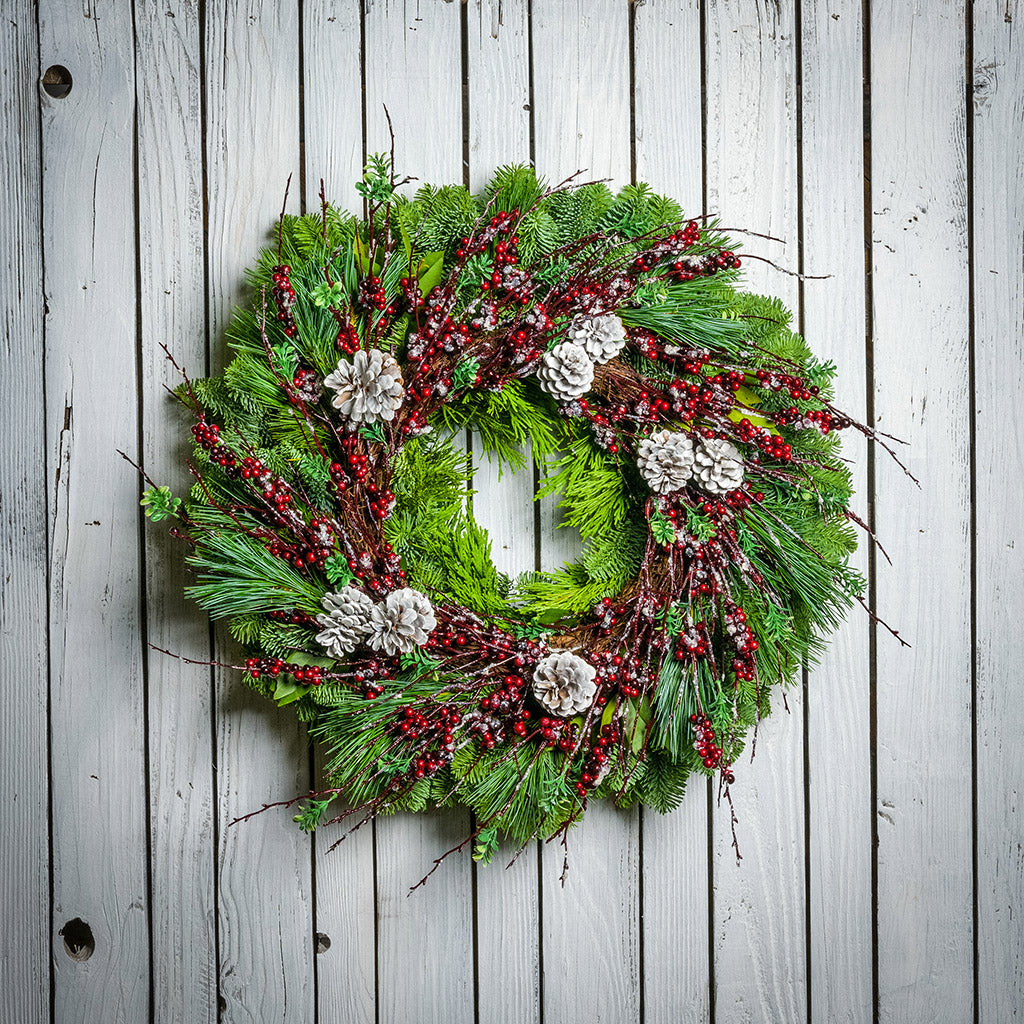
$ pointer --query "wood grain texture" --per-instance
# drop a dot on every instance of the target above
(760, 959)
(590, 927)
(581, 89)
(332, 102)
(252, 145)
(668, 148)
(172, 312)
(333, 145)
(920, 289)
(624, 940)
(412, 68)
(97, 720)
(424, 941)
(507, 898)
(24, 846)
(998, 182)
(839, 690)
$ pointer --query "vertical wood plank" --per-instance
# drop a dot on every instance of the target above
(252, 145)
(590, 928)
(839, 694)
(668, 149)
(24, 850)
(172, 311)
(425, 951)
(333, 143)
(920, 289)
(332, 101)
(760, 959)
(998, 183)
(98, 718)
(508, 899)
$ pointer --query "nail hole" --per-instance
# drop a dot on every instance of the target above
(57, 81)
(323, 942)
(78, 941)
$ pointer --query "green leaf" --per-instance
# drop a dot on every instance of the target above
(338, 572)
(636, 721)
(464, 374)
(662, 529)
(362, 256)
(160, 504)
(372, 431)
(287, 692)
(430, 271)
(376, 185)
(325, 294)
(486, 845)
(313, 813)
(287, 359)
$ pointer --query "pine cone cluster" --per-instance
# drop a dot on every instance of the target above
(601, 337)
(347, 621)
(665, 460)
(718, 466)
(668, 460)
(566, 371)
(369, 388)
(401, 622)
(564, 683)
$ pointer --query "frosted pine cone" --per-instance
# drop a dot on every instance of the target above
(566, 371)
(369, 389)
(564, 683)
(403, 621)
(718, 466)
(347, 620)
(601, 337)
(665, 460)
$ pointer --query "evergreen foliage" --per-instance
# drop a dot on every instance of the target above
(266, 567)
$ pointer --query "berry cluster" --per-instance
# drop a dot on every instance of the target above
(370, 675)
(693, 642)
(598, 761)
(742, 639)
(436, 737)
(371, 296)
(308, 675)
(668, 248)
(306, 387)
(347, 339)
(292, 618)
(774, 446)
(703, 266)
(284, 298)
(704, 743)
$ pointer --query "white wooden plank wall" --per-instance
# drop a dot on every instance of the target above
(880, 821)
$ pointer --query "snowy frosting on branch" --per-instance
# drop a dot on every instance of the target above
(564, 683)
(718, 466)
(566, 371)
(601, 337)
(665, 460)
(347, 620)
(369, 389)
(401, 622)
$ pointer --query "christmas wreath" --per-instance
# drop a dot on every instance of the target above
(687, 431)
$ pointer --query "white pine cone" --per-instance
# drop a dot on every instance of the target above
(564, 683)
(401, 622)
(718, 466)
(602, 337)
(369, 389)
(566, 371)
(665, 460)
(347, 620)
